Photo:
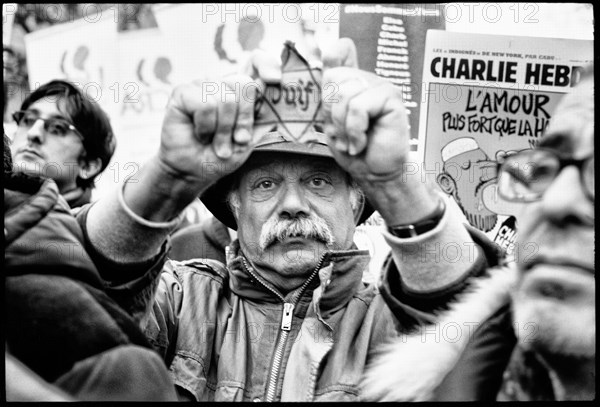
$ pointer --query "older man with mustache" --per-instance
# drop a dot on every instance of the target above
(293, 165)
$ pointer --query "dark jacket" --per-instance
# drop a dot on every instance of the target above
(57, 312)
(206, 240)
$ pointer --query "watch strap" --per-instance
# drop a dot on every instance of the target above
(421, 226)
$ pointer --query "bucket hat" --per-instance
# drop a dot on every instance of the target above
(289, 117)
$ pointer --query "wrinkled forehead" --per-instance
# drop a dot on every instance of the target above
(571, 129)
(290, 165)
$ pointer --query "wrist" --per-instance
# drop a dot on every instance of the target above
(157, 194)
(174, 179)
(420, 226)
(138, 219)
(402, 200)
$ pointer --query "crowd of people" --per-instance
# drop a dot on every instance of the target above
(267, 300)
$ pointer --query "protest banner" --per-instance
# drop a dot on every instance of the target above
(82, 51)
(390, 41)
(486, 96)
(146, 80)
(215, 39)
(140, 94)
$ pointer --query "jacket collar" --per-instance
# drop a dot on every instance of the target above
(78, 197)
(338, 278)
(41, 235)
(27, 200)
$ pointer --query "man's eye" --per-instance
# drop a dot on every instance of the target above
(266, 184)
(29, 119)
(541, 172)
(318, 182)
(57, 129)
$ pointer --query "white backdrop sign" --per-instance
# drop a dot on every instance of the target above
(213, 39)
(82, 51)
(140, 94)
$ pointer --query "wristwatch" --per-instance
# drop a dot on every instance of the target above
(421, 226)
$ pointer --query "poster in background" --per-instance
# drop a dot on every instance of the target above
(390, 41)
(487, 96)
(144, 83)
(91, 44)
(82, 51)
(216, 39)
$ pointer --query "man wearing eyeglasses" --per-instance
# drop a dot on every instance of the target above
(65, 338)
(541, 344)
(64, 136)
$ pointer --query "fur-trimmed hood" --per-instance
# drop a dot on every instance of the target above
(413, 366)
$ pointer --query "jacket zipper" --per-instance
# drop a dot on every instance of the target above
(286, 325)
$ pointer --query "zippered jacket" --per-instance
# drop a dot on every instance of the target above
(228, 335)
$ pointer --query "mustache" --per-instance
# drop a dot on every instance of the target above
(277, 230)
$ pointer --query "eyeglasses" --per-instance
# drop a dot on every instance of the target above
(525, 176)
(55, 126)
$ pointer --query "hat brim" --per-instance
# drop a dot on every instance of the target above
(215, 197)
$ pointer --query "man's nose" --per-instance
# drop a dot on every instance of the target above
(293, 202)
(565, 202)
(36, 132)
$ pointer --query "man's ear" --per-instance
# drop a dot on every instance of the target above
(357, 201)
(90, 168)
(446, 182)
